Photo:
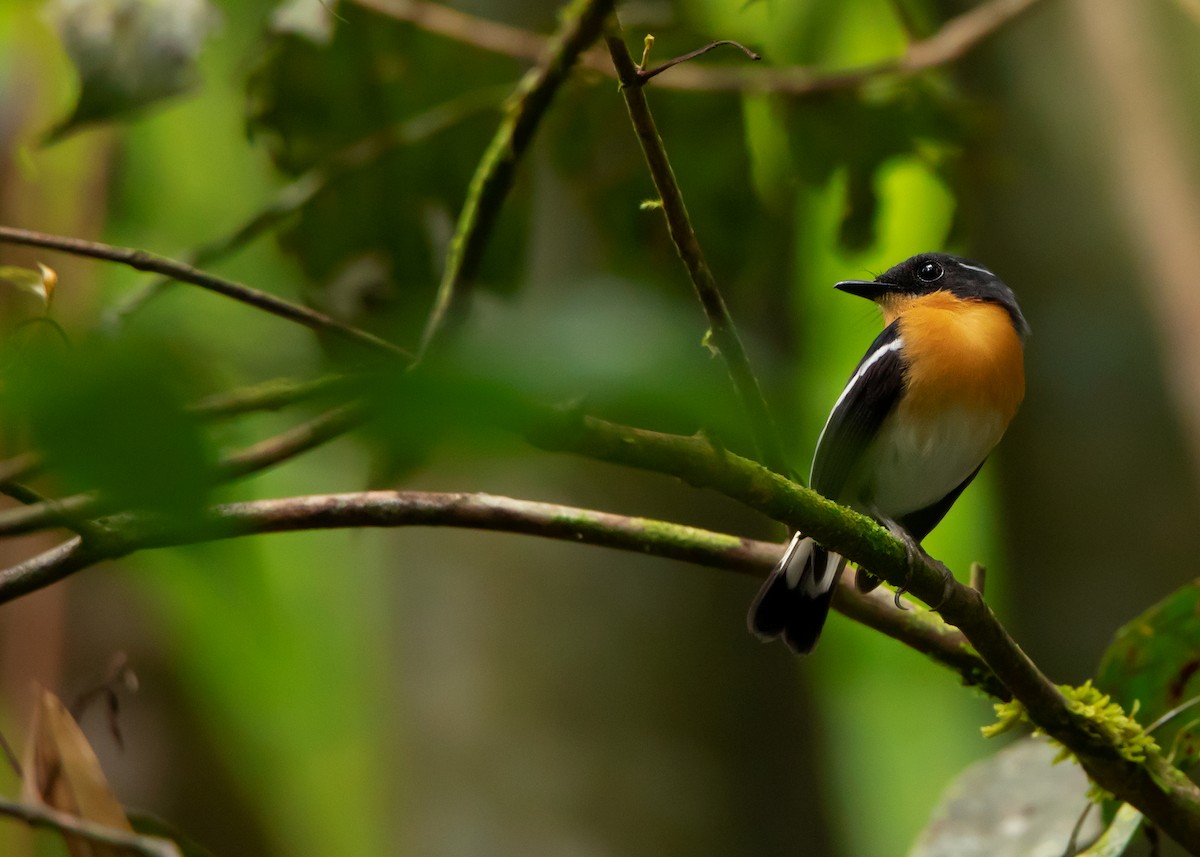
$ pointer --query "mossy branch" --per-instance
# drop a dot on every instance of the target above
(125, 534)
(1168, 799)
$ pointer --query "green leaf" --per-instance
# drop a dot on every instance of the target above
(1015, 804)
(372, 244)
(129, 54)
(39, 283)
(1118, 835)
(858, 133)
(1154, 663)
(112, 418)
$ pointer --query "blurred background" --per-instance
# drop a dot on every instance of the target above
(448, 693)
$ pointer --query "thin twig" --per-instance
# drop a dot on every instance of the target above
(293, 441)
(294, 196)
(10, 755)
(26, 496)
(645, 74)
(722, 332)
(140, 260)
(582, 21)
(20, 466)
(66, 824)
(78, 511)
(1173, 713)
(956, 38)
(271, 395)
(978, 577)
(920, 630)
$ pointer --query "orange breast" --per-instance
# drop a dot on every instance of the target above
(960, 353)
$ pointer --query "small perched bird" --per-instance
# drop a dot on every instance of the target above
(924, 407)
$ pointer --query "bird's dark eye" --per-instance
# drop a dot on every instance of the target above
(929, 272)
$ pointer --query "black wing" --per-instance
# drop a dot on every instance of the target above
(869, 397)
(918, 524)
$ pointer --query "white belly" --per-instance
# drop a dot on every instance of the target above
(918, 464)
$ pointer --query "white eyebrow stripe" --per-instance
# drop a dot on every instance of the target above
(895, 345)
(975, 268)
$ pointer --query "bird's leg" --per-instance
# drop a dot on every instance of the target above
(911, 551)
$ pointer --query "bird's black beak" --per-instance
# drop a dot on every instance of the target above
(870, 289)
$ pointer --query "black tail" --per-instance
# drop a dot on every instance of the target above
(794, 601)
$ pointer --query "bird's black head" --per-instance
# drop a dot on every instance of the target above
(927, 273)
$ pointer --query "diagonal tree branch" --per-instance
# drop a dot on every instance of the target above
(722, 332)
(1168, 798)
(956, 38)
(581, 24)
(140, 260)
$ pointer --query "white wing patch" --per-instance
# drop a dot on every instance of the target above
(796, 558)
(895, 345)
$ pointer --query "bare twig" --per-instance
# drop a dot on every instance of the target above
(722, 332)
(76, 512)
(978, 577)
(1168, 716)
(267, 396)
(956, 38)
(51, 819)
(140, 260)
(292, 442)
(581, 24)
(28, 497)
(10, 755)
(645, 74)
(20, 466)
(48, 513)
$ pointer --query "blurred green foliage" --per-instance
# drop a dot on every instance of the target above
(1152, 665)
(283, 648)
(112, 418)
